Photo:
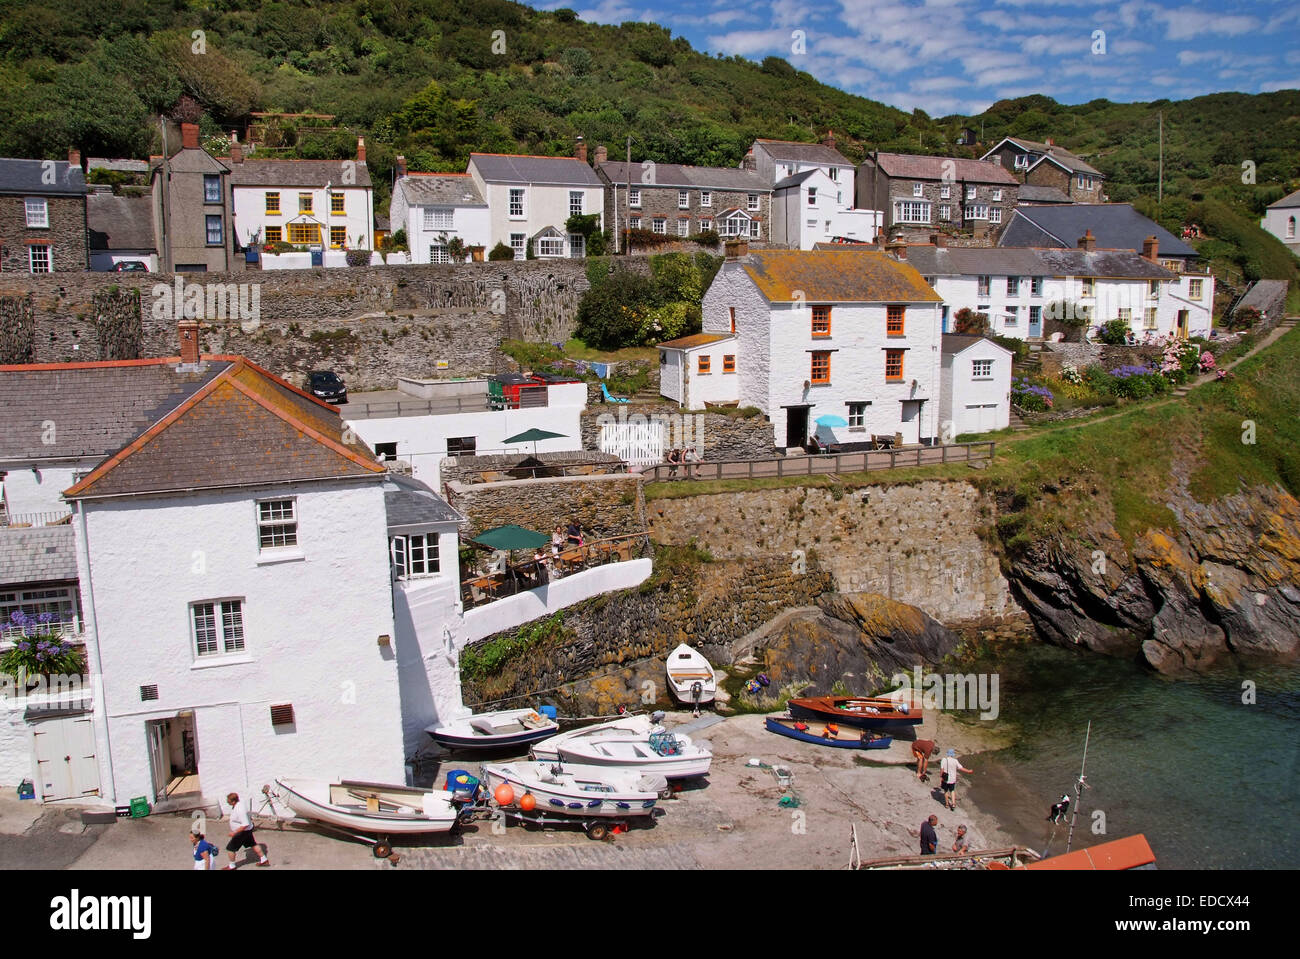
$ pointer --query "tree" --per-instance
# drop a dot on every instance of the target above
(967, 321)
(613, 315)
(501, 252)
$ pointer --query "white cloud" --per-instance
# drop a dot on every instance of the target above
(1274, 85)
(608, 11)
(749, 42)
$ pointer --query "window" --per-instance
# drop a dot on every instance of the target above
(517, 203)
(683, 199)
(1035, 315)
(338, 237)
(1036, 286)
(1290, 227)
(386, 451)
(461, 445)
(732, 310)
(218, 627)
(1022, 161)
(918, 190)
(213, 229)
(550, 246)
(833, 172)
(893, 366)
(706, 225)
(821, 368)
(909, 211)
(274, 234)
(634, 196)
(659, 225)
(945, 192)
(821, 321)
(38, 212)
(415, 555)
(1086, 286)
(1085, 182)
(576, 200)
(683, 227)
(304, 232)
(336, 203)
(438, 254)
(706, 198)
(971, 192)
(753, 229)
(1013, 316)
(439, 218)
(59, 600)
(1149, 318)
(729, 363)
(995, 214)
(977, 211)
(705, 364)
(981, 369)
(635, 223)
(304, 202)
(812, 196)
(519, 243)
(997, 195)
(277, 524)
(38, 259)
(894, 320)
(945, 213)
(577, 245)
(753, 201)
(273, 204)
(982, 286)
(857, 416)
(211, 188)
(1153, 290)
(1195, 288)
(1013, 286)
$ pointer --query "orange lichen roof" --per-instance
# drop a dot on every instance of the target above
(836, 276)
(695, 339)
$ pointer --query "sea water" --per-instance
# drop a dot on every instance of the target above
(1205, 767)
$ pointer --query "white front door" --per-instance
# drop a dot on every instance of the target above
(911, 426)
(159, 760)
(65, 758)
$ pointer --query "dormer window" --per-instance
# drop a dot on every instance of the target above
(1022, 161)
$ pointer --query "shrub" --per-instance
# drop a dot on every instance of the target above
(967, 321)
(613, 315)
(1097, 379)
(1114, 332)
(1019, 348)
(1242, 319)
(501, 252)
(1136, 382)
(1029, 396)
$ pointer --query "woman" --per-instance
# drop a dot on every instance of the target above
(203, 851)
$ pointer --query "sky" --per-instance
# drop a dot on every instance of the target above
(961, 56)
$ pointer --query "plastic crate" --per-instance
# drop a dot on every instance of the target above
(139, 807)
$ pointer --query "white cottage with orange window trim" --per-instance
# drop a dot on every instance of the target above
(850, 334)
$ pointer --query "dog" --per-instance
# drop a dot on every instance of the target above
(1059, 809)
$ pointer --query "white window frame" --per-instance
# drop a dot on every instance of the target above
(47, 253)
(519, 243)
(981, 369)
(659, 225)
(1013, 316)
(415, 555)
(1087, 288)
(577, 246)
(439, 218)
(577, 202)
(634, 223)
(753, 230)
(735, 225)
(976, 211)
(683, 227)
(706, 198)
(1150, 318)
(1085, 182)
(518, 199)
(945, 213)
(982, 285)
(273, 522)
(438, 253)
(634, 196)
(1036, 286)
(753, 202)
(1013, 286)
(226, 629)
(918, 190)
(1124, 313)
(945, 192)
(1290, 228)
(37, 210)
(995, 214)
(857, 416)
(213, 180)
(683, 199)
(997, 194)
(1022, 161)
(549, 246)
(910, 211)
(972, 193)
(705, 225)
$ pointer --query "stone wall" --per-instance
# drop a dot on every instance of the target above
(65, 236)
(919, 544)
(604, 505)
(714, 435)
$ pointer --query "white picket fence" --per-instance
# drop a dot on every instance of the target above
(640, 444)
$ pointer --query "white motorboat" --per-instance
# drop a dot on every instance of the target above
(575, 790)
(667, 754)
(690, 676)
(549, 749)
(507, 727)
(374, 808)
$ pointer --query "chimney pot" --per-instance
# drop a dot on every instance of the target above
(898, 250)
(189, 337)
(601, 154)
(1151, 248)
(361, 149)
(1050, 142)
(1088, 242)
(829, 139)
(189, 136)
(401, 165)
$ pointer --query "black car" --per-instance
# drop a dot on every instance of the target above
(130, 266)
(328, 386)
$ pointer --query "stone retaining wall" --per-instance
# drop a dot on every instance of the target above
(467, 469)
(604, 505)
(714, 435)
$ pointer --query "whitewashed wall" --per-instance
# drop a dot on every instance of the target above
(671, 381)
(25, 492)
(543, 206)
(714, 386)
(1281, 221)
(471, 223)
(732, 287)
(251, 219)
(962, 389)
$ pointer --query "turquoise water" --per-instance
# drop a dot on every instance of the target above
(1210, 780)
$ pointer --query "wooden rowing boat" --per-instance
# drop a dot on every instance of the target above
(690, 676)
(827, 734)
(864, 712)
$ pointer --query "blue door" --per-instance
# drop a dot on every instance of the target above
(1035, 321)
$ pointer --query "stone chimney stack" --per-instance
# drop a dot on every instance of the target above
(1088, 242)
(189, 337)
(829, 139)
(74, 156)
(749, 163)
(601, 154)
(189, 136)
(580, 149)
(236, 148)
(736, 249)
(361, 149)
(897, 249)
(938, 240)
(1151, 248)
(401, 166)
(1050, 142)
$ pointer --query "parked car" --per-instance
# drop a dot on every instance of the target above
(130, 266)
(328, 386)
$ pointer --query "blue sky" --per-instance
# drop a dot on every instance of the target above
(960, 56)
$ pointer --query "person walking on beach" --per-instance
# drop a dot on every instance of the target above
(923, 749)
(929, 838)
(962, 842)
(241, 833)
(951, 767)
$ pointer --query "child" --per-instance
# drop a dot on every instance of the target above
(203, 851)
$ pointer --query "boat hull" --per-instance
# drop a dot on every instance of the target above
(686, 668)
(887, 718)
(815, 733)
(454, 741)
(569, 797)
(506, 729)
(432, 810)
(623, 754)
(548, 749)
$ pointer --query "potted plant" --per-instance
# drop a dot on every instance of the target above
(38, 648)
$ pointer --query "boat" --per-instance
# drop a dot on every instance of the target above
(548, 749)
(374, 808)
(509, 727)
(576, 790)
(827, 734)
(690, 676)
(1131, 852)
(667, 754)
(867, 712)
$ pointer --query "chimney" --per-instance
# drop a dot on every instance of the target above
(736, 249)
(580, 149)
(236, 149)
(74, 156)
(829, 139)
(1088, 242)
(361, 149)
(189, 336)
(1151, 248)
(880, 238)
(601, 154)
(897, 249)
(1050, 142)
(749, 163)
(189, 136)
(938, 240)
(401, 166)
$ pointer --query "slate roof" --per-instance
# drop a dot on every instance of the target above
(408, 502)
(796, 178)
(36, 555)
(121, 166)
(446, 189)
(790, 150)
(1042, 194)
(954, 343)
(1286, 202)
(29, 176)
(1057, 152)
(831, 276)
(544, 171)
(914, 167)
(307, 173)
(1116, 226)
(694, 340)
(1021, 261)
(694, 177)
(120, 222)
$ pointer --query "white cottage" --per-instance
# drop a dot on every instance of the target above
(976, 392)
(854, 335)
(436, 208)
(530, 200)
(1280, 220)
(697, 370)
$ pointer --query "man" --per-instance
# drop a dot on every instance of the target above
(951, 767)
(241, 832)
(923, 749)
(929, 838)
(961, 844)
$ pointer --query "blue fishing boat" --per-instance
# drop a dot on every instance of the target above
(827, 734)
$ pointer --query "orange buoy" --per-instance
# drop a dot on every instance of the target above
(504, 795)
(527, 802)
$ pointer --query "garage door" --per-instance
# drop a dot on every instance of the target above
(980, 418)
(65, 757)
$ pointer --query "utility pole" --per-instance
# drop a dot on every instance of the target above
(166, 250)
(627, 218)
